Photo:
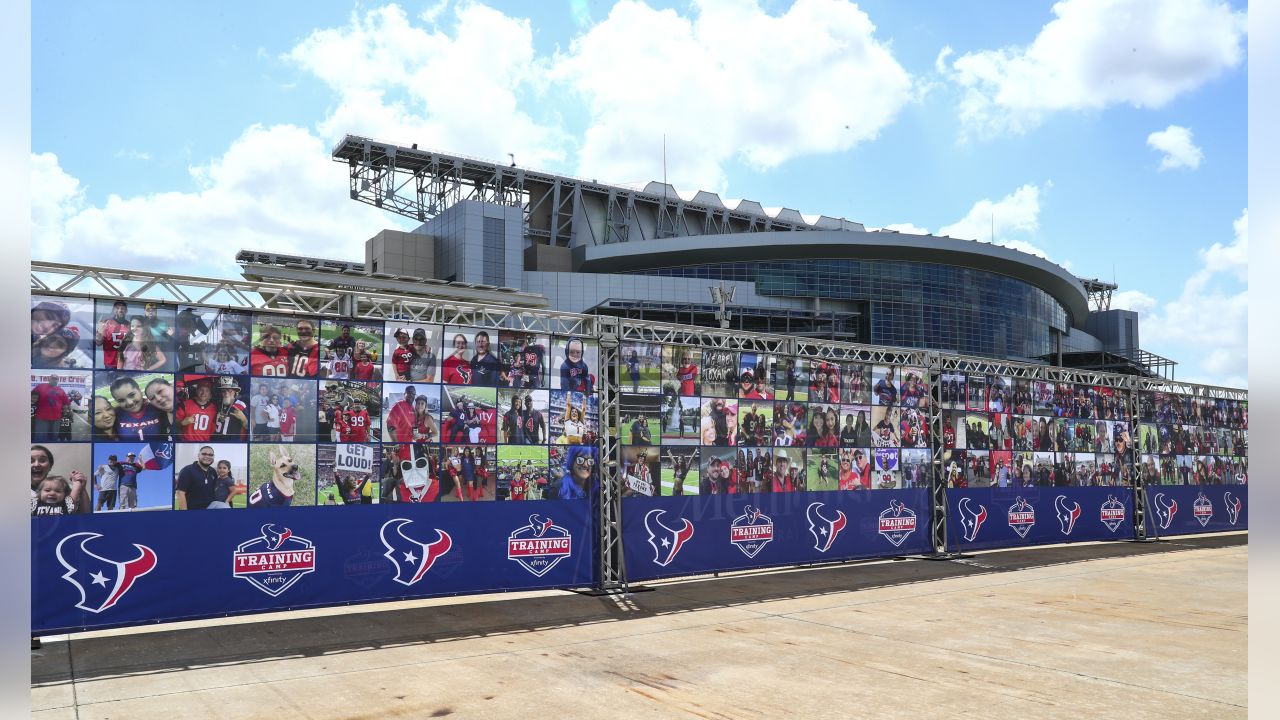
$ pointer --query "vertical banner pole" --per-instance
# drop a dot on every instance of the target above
(1139, 482)
(613, 572)
(937, 482)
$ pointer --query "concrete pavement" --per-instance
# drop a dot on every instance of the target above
(1146, 631)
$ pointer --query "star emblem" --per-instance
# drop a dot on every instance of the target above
(665, 542)
(99, 579)
(409, 557)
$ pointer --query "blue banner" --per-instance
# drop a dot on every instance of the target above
(96, 571)
(669, 536)
(1190, 509)
(994, 517)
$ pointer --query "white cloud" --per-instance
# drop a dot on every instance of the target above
(133, 154)
(907, 228)
(727, 82)
(1134, 300)
(580, 11)
(1176, 144)
(455, 89)
(1094, 54)
(465, 78)
(1206, 326)
(1012, 221)
(275, 188)
(55, 196)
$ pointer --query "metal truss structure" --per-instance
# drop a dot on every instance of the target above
(558, 209)
(612, 570)
(60, 279)
(73, 280)
(939, 510)
(1099, 293)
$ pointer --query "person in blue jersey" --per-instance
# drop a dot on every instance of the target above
(486, 370)
(135, 418)
(633, 369)
(577, 472)
(574, 373)
(458, 422)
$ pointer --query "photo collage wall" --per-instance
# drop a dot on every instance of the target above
(698, 421)
(1185, 440)
(1015, 432)
(138, 405)
(1012, 432)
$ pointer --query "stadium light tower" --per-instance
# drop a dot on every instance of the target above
(722, 296)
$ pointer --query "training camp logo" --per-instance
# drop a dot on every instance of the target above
(751, 531)
(274, 561)
(1233, 504)
(1113, 513)
(101, 582)
(824, 531)
(666, 543)
(540, 545)
(410, 557)
(1202, 509)
(897, 522)
(971, 520)
(1067, 515)
(1022, 517)
(1164, 510)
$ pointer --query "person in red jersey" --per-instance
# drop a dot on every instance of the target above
(402, 355)
(687, 374)
(288, 421)
(232, 423)
(519, 486)
(456, 368)
(424, 424)
(402, 416)
(111, 334)
(268, 359)
(304, 353)
(197, 416)
(364, 368)
(338, 428)
(357, 424)
(50, 403)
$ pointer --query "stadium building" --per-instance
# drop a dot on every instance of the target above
(499, 233)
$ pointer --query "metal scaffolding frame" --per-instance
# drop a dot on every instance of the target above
(938, 507)
(558, 209)
(61, 279)
(612, 568)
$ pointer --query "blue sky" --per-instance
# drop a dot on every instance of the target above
(1108, 135)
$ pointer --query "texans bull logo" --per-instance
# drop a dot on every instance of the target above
(751, 531)
(1234, 505)
(971, 520)
(101, 582)
(1202, 509)
(897, 522)
(1067, 514)
(540, 545)
(666, 543)
(1164, 510)
(411, 558)
(824, 531)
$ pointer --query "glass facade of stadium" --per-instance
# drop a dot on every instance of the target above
(911, 304)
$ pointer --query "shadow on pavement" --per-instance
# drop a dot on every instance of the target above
(362, 628)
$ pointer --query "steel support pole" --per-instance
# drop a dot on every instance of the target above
(612, 571)
(937, 478)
